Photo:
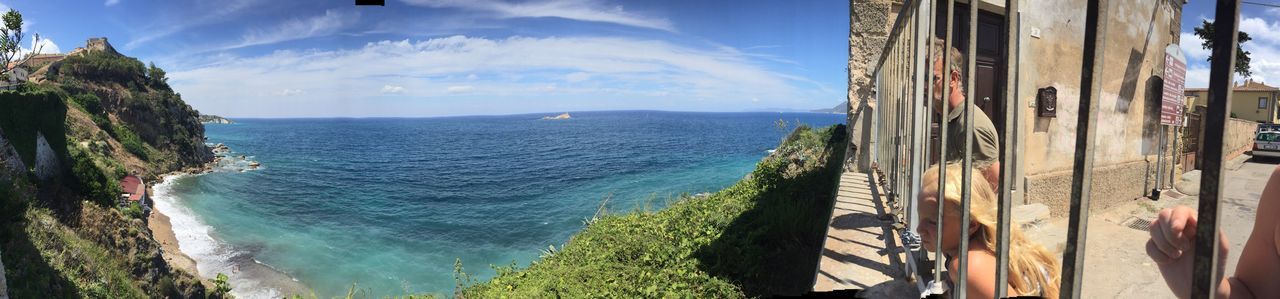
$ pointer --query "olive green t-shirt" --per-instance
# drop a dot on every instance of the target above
(986, 141)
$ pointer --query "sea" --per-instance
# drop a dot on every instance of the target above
(387, 206)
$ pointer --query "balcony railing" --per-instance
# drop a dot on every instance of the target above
(902, 121)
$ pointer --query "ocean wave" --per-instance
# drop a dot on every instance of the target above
(196, 240)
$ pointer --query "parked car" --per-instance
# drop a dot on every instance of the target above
(1267, 143)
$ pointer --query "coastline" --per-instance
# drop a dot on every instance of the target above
(189, 244)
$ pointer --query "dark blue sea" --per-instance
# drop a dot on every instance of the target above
(390, 204)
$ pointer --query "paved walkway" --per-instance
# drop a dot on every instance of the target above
(854, 254)
(1116, 262)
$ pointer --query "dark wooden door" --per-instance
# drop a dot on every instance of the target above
(989, 75)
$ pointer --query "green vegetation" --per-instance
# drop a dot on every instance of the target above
(759, 237)
(93, 180)
(134, 211)
(220, 284)
(138, 106)
(129, 140)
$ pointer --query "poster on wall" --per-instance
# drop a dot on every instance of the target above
(1175, 72)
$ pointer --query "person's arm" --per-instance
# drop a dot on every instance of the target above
(1259, 266)
(1172, 247)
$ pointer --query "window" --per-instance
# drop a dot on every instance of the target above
(1262, 103)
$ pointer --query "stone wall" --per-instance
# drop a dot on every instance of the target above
(869, 23)
(46, 159)
(1128, 132)
(1239, 138)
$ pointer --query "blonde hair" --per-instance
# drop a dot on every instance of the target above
(1027, 259)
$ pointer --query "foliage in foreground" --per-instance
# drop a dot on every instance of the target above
(758, 237)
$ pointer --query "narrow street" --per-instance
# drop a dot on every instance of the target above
(1117, 265)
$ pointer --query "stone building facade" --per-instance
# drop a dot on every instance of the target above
(1050, 52)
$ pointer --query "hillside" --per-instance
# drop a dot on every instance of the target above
(66, 140)
(841, 108)
(757, 238)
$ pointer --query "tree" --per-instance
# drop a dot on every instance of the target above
(156, 75)
(11, 42)
(1205, 32)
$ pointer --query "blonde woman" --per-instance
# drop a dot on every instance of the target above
(1032, 270)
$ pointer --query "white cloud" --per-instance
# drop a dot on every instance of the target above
(289, 92)
(45, 46)
(1197, 77)
(460, 88)
(199, 15)
(392, 89)
(1261, 30)
(580, 10)
(294, 29)
(1190, 44)
(111, 2)
(1264, 49)
(507, 69)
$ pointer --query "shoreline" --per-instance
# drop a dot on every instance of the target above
(176, 227)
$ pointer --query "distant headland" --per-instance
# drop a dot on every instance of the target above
(561, 116)
(214, 119)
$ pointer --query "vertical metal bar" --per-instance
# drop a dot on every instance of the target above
(918, 129)
(942, 139)
(1176, 153)
(966, 176)
(1204, 281)
(1006, 148)
(1086, 126)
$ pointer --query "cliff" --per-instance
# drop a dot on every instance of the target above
(65, 142)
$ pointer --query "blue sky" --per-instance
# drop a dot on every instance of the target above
(256, 58)
(1261, 22)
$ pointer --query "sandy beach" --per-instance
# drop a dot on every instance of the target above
(162, 230)
(249, 278)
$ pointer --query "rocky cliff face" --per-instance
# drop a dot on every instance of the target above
(96, 116)
(139, 98)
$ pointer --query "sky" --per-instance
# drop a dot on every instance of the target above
(257, 58)
(1262, 23)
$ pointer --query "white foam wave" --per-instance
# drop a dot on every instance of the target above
(195, 239)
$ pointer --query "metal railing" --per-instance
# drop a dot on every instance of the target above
(902, 121)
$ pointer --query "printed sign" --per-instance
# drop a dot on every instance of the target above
(1175, 72)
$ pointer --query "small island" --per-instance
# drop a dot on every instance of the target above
(561, 116)
(214, 119)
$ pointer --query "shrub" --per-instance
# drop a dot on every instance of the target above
(92, 180)
(221, 286)
(129, 140)
(90, 102)
(134, 211)
(759, 237)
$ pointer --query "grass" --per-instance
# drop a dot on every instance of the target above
(759, 237)
(49, 260)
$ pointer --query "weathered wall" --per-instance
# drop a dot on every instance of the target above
(1136, 35)
(868, 30)
(1239, 138)
(46, 159)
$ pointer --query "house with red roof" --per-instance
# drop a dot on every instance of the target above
(135, 190)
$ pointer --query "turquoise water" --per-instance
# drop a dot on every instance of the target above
(391, 203)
